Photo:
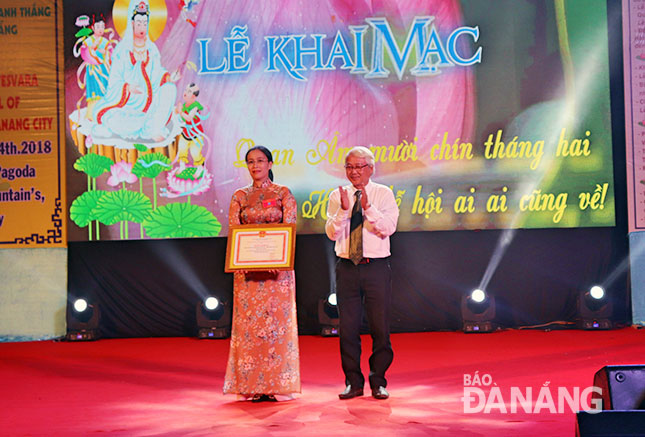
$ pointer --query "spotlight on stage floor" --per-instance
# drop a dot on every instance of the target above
(477, 312)
(594, 309)
(82, 320)
(213, 318)
(328, 316)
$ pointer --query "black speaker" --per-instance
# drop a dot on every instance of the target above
(623, 387)
(610, 424)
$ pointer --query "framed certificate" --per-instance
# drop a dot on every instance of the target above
(261, 247)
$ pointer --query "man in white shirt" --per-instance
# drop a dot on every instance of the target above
(360, 219)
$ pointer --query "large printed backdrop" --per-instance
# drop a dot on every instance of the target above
(481, 114)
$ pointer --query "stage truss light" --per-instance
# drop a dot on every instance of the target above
(478, 312)
(82, 320)
(328, 316)
(213, 317)
(594, 309)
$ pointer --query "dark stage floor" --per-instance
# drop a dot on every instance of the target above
(173, 386)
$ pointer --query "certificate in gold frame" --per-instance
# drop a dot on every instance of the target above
(269, 246)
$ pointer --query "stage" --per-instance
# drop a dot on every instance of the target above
(173, 386)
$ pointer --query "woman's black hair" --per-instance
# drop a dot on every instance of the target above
(266, 152)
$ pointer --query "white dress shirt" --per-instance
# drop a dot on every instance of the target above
(379, 220)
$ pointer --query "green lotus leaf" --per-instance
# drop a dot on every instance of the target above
(123, 205)
(150, 165)
(93, 165)
(181, 220)
(83, 32)
(83, 208)
(140, 147)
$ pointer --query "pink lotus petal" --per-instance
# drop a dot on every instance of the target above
(121, 172)
(131, 178)
(113, 181)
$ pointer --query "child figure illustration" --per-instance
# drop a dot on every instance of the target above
(192, 133)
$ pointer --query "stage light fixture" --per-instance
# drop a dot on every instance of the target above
(597, 292)
(328, 316)
(82, 320)
(594, 309)
(478, 295)
(478, 312)
(213, 318)
(211, 303)
(80, 305)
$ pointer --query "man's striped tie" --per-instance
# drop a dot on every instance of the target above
(356, 231)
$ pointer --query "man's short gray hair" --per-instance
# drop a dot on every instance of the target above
(361, 152)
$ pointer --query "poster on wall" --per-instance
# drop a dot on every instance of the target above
(32, 165)
(634, 74)
(480, 114)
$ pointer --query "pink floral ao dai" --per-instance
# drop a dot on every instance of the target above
(264, 357)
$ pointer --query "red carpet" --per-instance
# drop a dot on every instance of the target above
(172, 386)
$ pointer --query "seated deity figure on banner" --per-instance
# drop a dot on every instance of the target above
(141, 94)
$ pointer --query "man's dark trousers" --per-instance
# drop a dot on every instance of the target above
(372, 282)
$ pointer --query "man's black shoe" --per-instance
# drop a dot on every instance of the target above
(351, 392)
(380, 393)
